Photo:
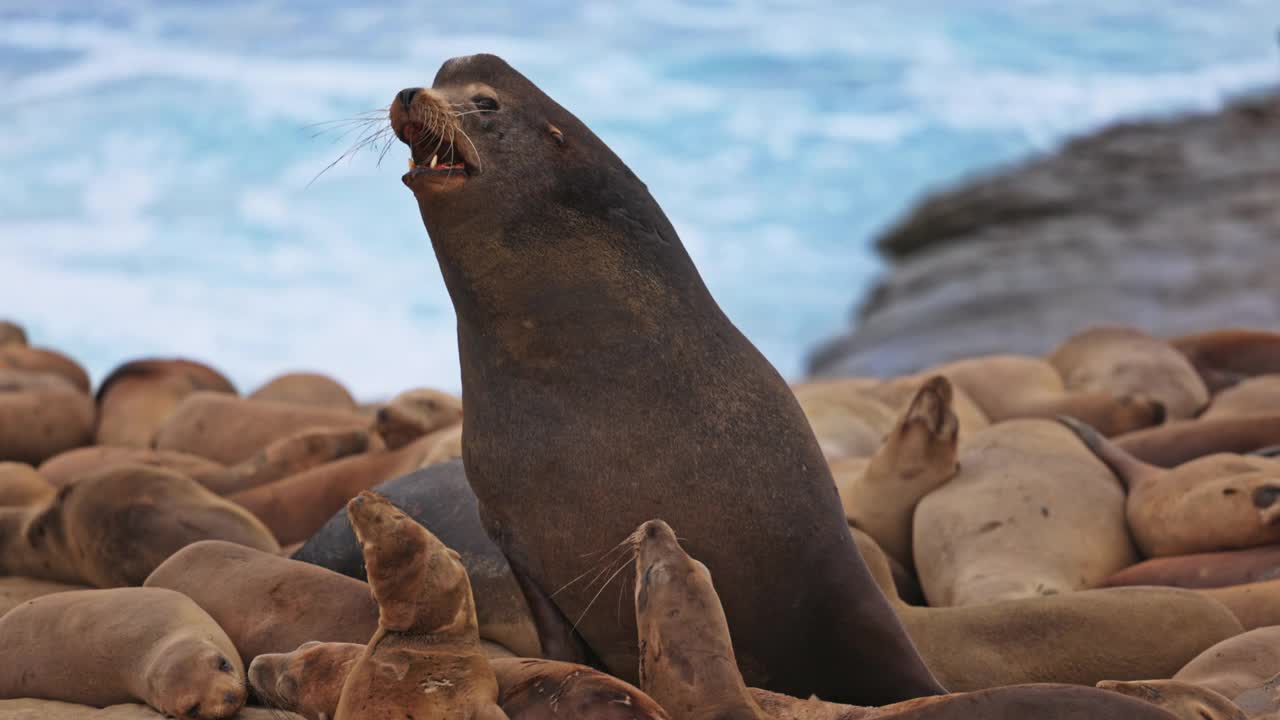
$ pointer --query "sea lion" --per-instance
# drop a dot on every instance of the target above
(28, 709)
(230, 430)
(103, 647)
(137, 397)
(602, 386)
(307, 388)
(21, 485)
(1262, 703)
(36, 424)
(1218, 502)
(688, 662)
(440, 499)
(1181, 441)
(16, 590)
(415, 413)
(267, 603)
(1126, 361)
(67, 467)
(1133, 634)
(1031, 512)
(1259, 396)
(1184, 700)
(879, 494)
(114, 526)
(1237, 664)
(1225, 357)
(1256, 604)
(1203, 570)
(42, 360)
(846, 424)
(12, 333)
(1010, 387)
(425, 658)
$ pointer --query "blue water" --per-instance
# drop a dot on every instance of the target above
(156, 159)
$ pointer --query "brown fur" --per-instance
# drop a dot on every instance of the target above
(230, 430)
(15, 591)
(1255, 397)
(1178, 442)
(137, 397)
(65, 468)
(1031, 512)
(415, 413)
(114, 526)
(425, 659)
(103, 647)
(1184, 700)
(1226, 357)
(37, 424)
(1256, 605)
(1204, 570)
(21, 485)
(846, 423)
(307, 388)
(12, 333)
(30, 359)
(266, 603)
(28, 709)
(1240, 663)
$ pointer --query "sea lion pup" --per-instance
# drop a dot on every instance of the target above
(688, 663)
(415, 413)
(1126, 361)
(1204, 570)
(114, 526)
(1009, 387)
(230, 429)
(424, 660)
(593, 359)
(41, 360)
(137, 397)
(12, 333)
(1225, 357)
(266, 603)
(309, 681)
(1182, 441)
(41, 417)
(21, 485)
(307, 388)
(880, 494)
(1259, 396)
(1219, 502)
(1184, 700)
(103, 647)
(15, 591)
(1031, 512)
(1133, 634)
(440, 499)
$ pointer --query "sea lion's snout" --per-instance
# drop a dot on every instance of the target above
(440, 151)
(406, 97)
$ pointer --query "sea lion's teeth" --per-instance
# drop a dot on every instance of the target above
(412, 164)
(434, 162)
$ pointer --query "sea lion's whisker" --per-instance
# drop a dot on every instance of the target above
(622, 566)
(474, 149)
(604, 561)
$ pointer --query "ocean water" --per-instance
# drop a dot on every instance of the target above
(158, 161)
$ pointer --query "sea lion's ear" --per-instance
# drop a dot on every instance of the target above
(555, 134)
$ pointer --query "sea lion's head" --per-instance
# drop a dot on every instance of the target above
(307, 681)
(194, 680)
(415, 413)
(924, 444)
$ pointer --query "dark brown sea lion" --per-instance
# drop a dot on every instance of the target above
(1127, 361)
(603, 386)
(21, 485)
(37, 423)
(103, 647)
(114, 526)
(1204, 570)
(1185, 700)
(30, 359)
(425, 659)
(1181, 441)
(12, 333)
(137, 397)
(1225, 357)
(307, 388)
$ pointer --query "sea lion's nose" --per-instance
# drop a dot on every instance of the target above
(406, 97)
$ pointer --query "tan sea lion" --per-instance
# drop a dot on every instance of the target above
(1218, 502)
(67, 467)
(1225, 357)
(28, 709)
(1178, 442)
(879, 494)
(846, 423)
(137, 397)
(267, 603)
(307, 388)
(16, 590)
(103, 647)
(1096, 635)
(21, 485)
(1204, 570)
(1256, 604)
(41, 360)
(593, 357)
(38, 423)
(1240, 663)
(1259, 396)
(1031, 512)
(425, 659)
(114, 526)
(12, 333)
(1185, 700)
(415, 413)
(230, 430)
(689, 667)
(1126, 361)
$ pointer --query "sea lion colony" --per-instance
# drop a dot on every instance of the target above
(1092, 533)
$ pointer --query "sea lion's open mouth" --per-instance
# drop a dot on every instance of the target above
(433, 155)
(440, 153)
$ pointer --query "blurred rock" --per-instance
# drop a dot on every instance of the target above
(1170, 225)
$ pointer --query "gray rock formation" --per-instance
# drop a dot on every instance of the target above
(1172, 226)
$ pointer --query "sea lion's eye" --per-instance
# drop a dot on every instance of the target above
(224, 665)
(484, 102)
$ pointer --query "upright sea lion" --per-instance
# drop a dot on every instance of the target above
(1185, 440)
(30, 359)
(425, 659)
(1031, 512)
(1126, 361)
(137, 397)
(114, 526)
(603, 386)
(1218, 502)
(415, 413)
(103, 647)
(1255, 397)
(307, 388)
(21, 485)
(12, 333)
(1225, 357)
(880, 494)
(38, 423)
(1204, 570)
(1185, 700)
(440, 499)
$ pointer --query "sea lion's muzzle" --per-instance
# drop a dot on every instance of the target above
(440, 152)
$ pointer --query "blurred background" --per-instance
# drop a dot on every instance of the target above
(159, 192)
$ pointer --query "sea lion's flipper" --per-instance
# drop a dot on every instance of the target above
(1178, 442)
(1128, 469)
